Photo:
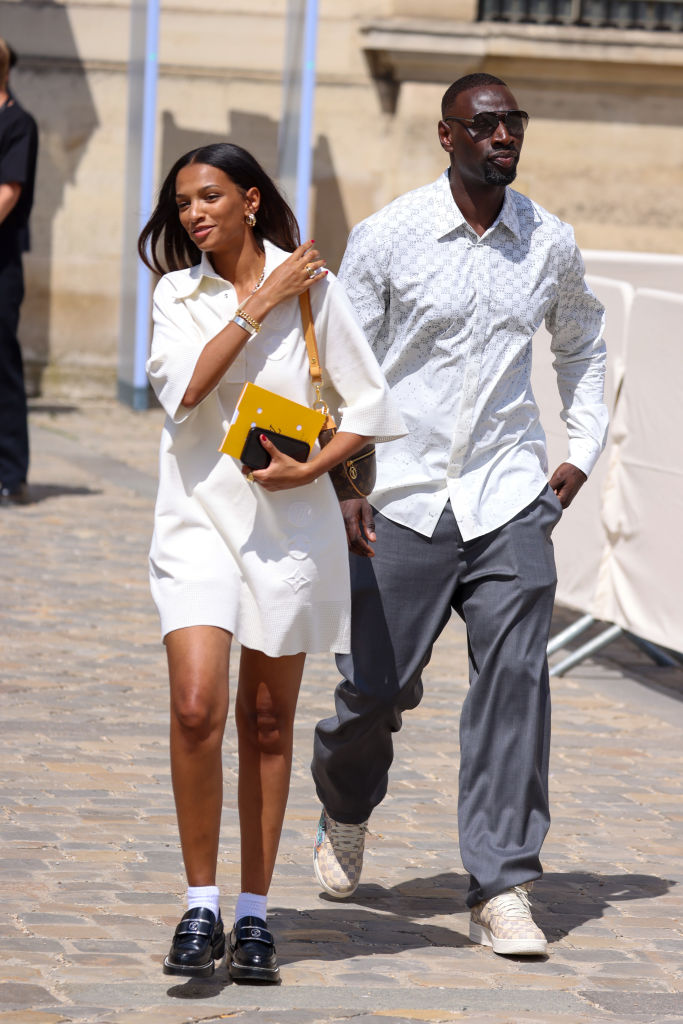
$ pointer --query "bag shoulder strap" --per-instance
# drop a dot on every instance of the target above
(313, 360)
(311, 342)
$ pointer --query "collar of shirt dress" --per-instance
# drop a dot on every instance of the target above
(450, 316)
(217, 297)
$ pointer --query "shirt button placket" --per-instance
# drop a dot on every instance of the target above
(478, 253)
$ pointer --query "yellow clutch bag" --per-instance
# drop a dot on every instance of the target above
(258, 407)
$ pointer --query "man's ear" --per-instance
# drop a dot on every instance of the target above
(445, 139)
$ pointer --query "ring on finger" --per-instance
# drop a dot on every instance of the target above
(310, 270)
(250, 477)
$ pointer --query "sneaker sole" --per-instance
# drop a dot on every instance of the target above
(507, 947)
(328, 889)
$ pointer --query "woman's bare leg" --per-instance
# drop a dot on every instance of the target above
(198, 664)
(265, 705)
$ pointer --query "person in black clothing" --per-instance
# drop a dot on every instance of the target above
(18, 152)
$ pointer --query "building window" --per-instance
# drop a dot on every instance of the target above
(633, 14)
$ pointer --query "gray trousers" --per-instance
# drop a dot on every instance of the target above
(503, 586)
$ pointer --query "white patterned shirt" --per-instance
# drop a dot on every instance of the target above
(451, 316)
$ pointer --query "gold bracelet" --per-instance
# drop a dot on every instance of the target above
(250, 320)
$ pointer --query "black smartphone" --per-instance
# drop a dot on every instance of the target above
(255, 456)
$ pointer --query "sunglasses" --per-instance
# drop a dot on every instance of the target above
(483, 125)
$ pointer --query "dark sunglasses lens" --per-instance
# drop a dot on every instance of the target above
(484, 124)
(516, 122)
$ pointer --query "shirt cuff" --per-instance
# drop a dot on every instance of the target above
(378, 424)
(170, 388)
(583, 455)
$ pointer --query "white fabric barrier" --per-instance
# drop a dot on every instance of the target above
(618, 550)
(640, 585)
(640, 269)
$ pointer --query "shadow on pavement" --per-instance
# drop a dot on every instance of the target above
(567, 900)
(51, 409)
(381, 921)
(563, 901)
(43, 492)
(202, 988)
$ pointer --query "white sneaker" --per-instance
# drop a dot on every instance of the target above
(505, 923)
(338, 855)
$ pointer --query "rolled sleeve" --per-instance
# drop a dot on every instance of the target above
(176, 346)
(576, 324)
(359, 389)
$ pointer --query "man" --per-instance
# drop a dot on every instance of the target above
(451, 282)
(18, 151)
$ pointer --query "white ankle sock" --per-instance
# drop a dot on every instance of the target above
(249, 904)
(203, 896)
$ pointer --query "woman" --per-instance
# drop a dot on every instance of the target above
(261, 557)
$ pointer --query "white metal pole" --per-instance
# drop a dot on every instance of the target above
(136, 280)
(295, 157)
(147, 182)
(305, 147)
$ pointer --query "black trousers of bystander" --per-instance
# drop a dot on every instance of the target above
(14, 448)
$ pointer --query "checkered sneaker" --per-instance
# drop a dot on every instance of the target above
(505, 923)
(338, 855)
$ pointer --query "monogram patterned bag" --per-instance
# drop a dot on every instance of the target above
(355, 476)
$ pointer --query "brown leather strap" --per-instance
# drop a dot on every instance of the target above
(309, 335)
(313, 360)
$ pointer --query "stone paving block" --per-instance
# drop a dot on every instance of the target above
(653, 1005)
(34, 945)
(26, 969)
(15, 995)
(172, 1015)
(105, 946)
(407, 1016)
(87, 1014)
(32, 1017)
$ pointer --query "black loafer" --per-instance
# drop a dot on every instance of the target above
(252, 952)
(199, 940)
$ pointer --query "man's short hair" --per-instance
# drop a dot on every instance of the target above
(468, 82)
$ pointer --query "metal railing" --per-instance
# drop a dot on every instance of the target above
(607, 634)
(649, 15)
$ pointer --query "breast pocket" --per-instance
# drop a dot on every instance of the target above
(279, 330)
(273, 345)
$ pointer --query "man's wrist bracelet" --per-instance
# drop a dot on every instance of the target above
(247, 322)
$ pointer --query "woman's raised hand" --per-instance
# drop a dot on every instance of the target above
(298, 273)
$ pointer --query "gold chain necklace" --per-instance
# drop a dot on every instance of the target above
(259, 282)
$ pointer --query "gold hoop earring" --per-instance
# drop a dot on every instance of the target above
(250, 219)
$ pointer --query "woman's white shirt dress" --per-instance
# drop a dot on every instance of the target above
(269, 567)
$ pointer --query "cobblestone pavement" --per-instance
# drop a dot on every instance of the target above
(92, 878)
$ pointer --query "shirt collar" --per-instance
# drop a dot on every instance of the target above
(508, 214)
(195, 275)
(448, 216)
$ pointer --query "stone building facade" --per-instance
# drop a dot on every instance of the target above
(602, 80)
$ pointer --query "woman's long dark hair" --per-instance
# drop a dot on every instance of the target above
(163, 231)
